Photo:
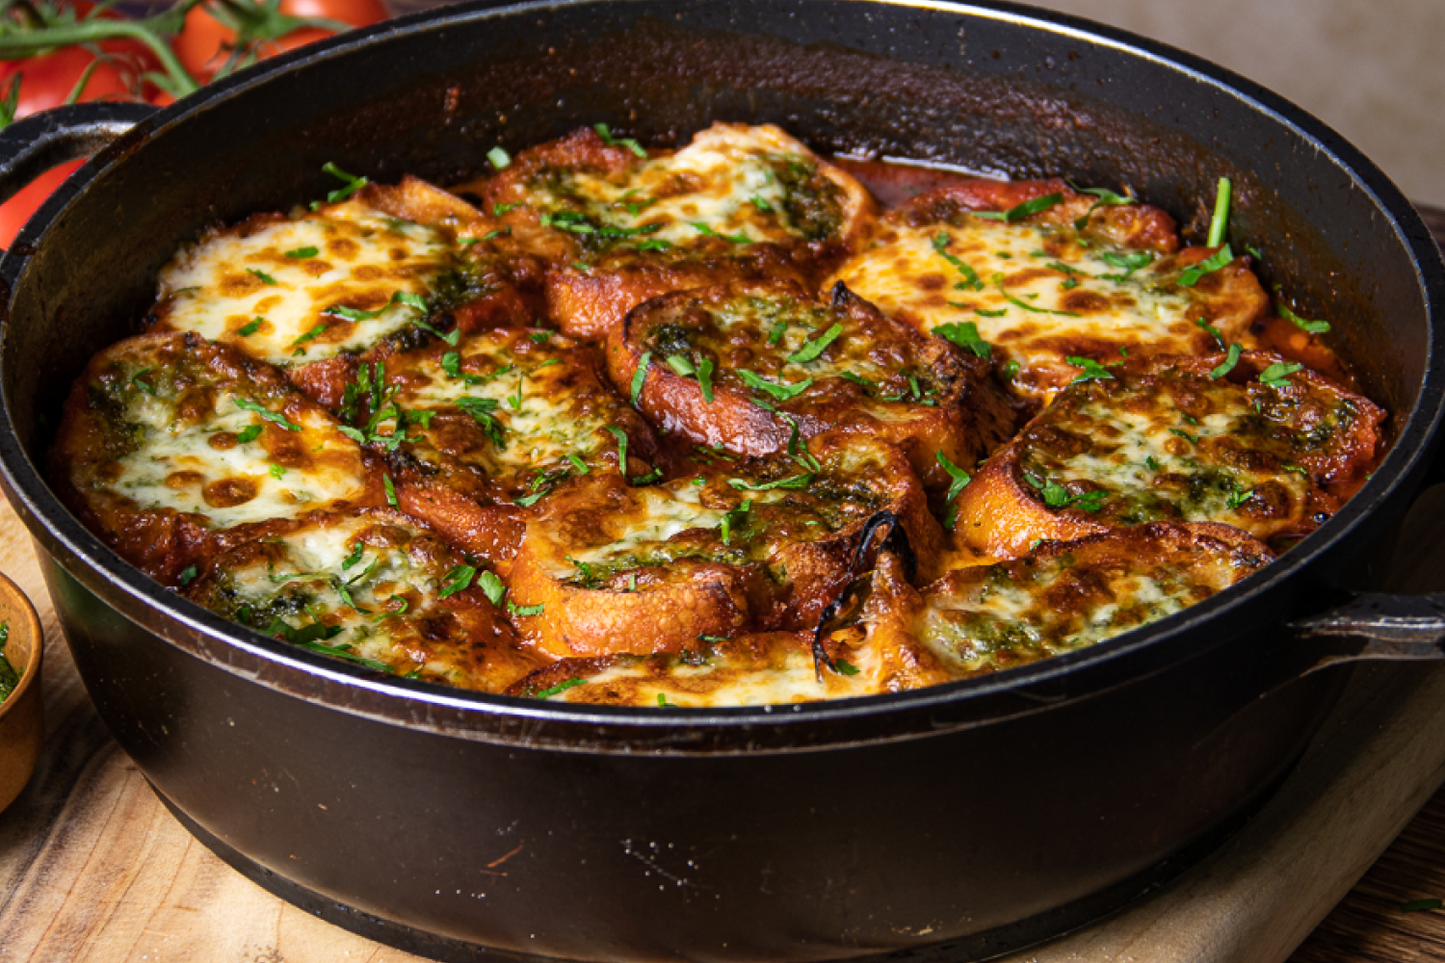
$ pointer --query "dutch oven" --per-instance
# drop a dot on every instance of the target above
(946, 823)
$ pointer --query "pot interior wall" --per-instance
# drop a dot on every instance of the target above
(986, 92)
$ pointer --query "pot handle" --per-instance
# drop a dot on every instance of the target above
(1372, 626)
(31, 146)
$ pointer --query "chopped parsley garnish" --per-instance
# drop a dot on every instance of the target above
(559, 688)
(579, 464)
(264, 277)
(354, 557)
(1220, 222)
(792, 481)
(277, 472)
(250, 328)
(1152, 462)
(270, 416)
(1021, 211)
(844, 667)
(1093, 371)
(248, 434)
(1129, 263)
(1106, 198)
(481, 411)
(998, 282)
(351, 184)
(960, 477)
(303, 253)
(526, 611)
(499, 209)
(1230, 361)
(1214, 332)
(731, 238)
(450, 338)
(492, 588)
(738, 516)
(308, 335)
(704, 379)
(1238, 496)
(965, 335)
(136, 379)
(390, 490)
(970, 276)
(761, 204)
(605, 133)
(457, 580)
(641, 376)
(662, 701)
(811, 350)
(499, 159)
(1277, 374)
(452, 365)
(1057, 496)
(621, 437)
(1304, 324)
(1192, 439)
(1011, 369)
(188, 575)
(782, 392)
(1220, 258)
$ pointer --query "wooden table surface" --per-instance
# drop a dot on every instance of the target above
(94, 869)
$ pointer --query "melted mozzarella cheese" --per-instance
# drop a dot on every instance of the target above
(175, 465)
(1030, 289)
(240, 286)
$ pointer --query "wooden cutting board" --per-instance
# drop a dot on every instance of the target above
(93, 869)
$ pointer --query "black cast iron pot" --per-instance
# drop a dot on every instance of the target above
(940, 824)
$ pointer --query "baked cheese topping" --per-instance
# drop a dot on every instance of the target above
(219, 448)
(732, 513)
(1169, 440)
(1035, 293)
(519, 405)
(994, 617)
(758, 670)
(357, 587)
(748, 184)
(770, 341)
(303, 289)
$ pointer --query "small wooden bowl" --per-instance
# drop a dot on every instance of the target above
(22, 719)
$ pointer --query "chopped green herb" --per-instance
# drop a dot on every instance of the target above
(662, 701)
(605, 133)
(559, 688)
(782, 392)
(270, 416)
(1011, 369)
(351, 184)
(1238, 496)
(1214, 332)
(1304, 324)
(1220, 222)
(731, 238)
(248, 434)
(250, 328)
(1220, 258)
(308, 335)
(499, 159)
(761, 204)
(188, 575)
(265, 278)
(579, 464)
(965, 335)
(844, 667)
(960, 477)
(738, 516)
(1128, 262)
(970, 276)
(277, 472)
(1192, 439)
(1277, 374)
(704, 379)
(390, 490)
(136, 379)
(302, 253)
(1093, 371)
(998, 282)
(1021, 211)
(680, 364)
(1152, 462)
(492, 588)
(499, 209)
(1106, 198)
(526, 611)
(456, 580)
(1230, 360)
(792, 481)
(812, 349)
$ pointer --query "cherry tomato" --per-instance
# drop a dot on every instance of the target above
(205, 42)
(16, 211)
(48, 80)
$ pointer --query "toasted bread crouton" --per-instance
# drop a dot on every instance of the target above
(1270, 448)
(744, 365)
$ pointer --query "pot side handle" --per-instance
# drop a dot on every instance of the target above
(1374, 627)
(31, 146)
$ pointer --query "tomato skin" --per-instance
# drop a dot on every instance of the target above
(16, 211)
(47, 81)
(203, 44)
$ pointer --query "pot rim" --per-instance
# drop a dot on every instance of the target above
(1120, 660)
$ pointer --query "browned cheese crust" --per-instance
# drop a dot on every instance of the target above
(620, 224)
(1266, 446)
(1063, 597)
(1045, 274)
(609, 568)
(173, 449)
(373, 588)
(739, 366)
